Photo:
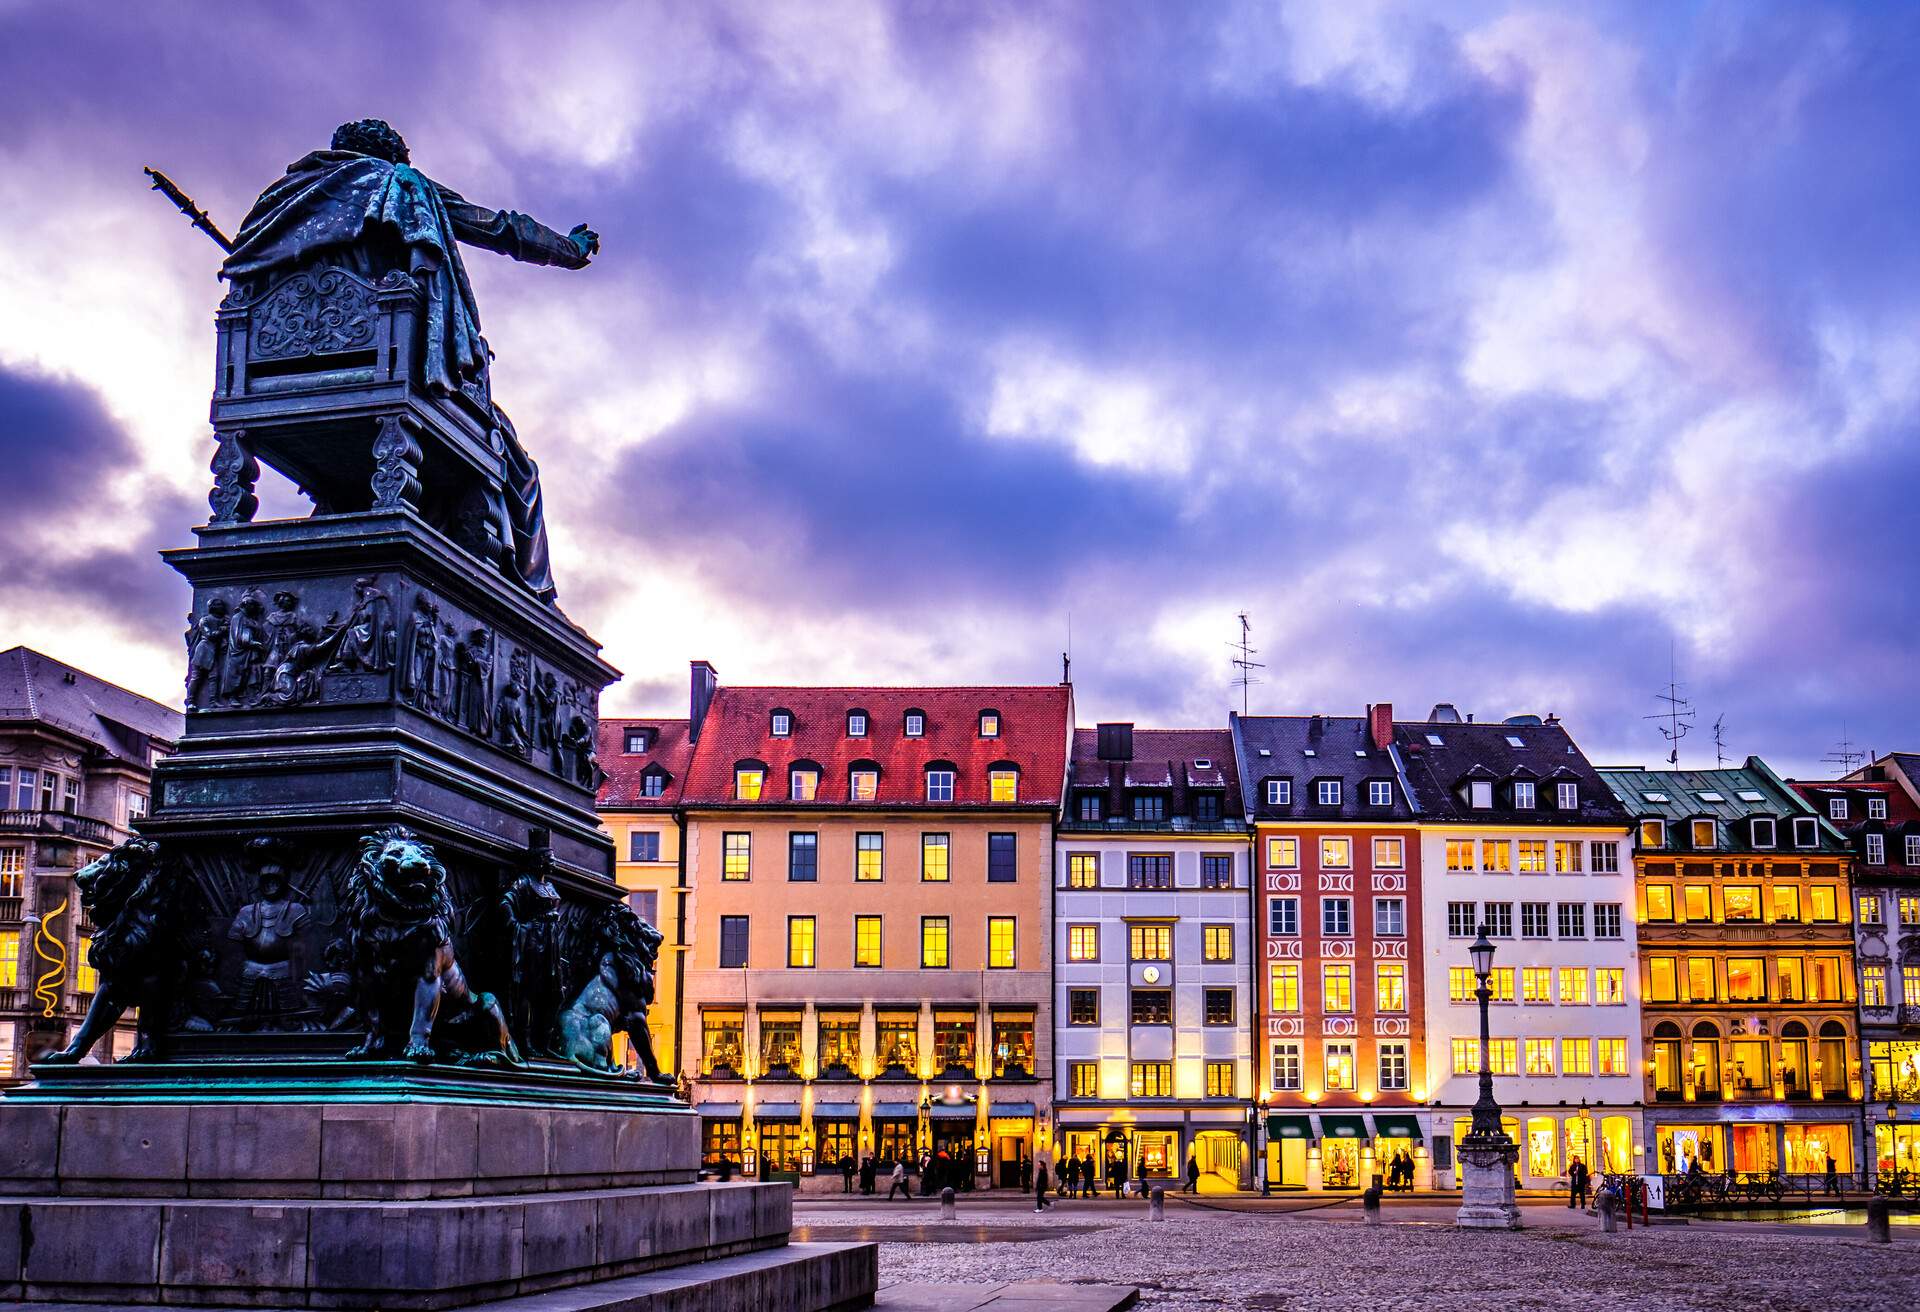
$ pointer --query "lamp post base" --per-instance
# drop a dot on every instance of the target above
(1486, 1174)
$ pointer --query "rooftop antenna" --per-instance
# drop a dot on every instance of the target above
(1720, 742)
(1244, 662)
(1845, 754)
(1678, 715)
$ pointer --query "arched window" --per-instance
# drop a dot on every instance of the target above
(1003, 782)
(749, 780)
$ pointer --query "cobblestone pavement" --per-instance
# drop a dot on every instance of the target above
(1283, 1262)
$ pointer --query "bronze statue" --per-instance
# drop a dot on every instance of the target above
(135, 908)
(206, 644)
(619, 988)
(240, 668)
(530, 910)
(266, 929)
(399, 926)
(366, 641)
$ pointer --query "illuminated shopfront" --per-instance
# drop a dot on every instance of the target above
(1755, 1147)
(1896, 1071)
(1678, 1147)
(1896, 1147)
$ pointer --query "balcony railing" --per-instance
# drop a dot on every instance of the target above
(1173, 825)
(10, 910)
(85, 828)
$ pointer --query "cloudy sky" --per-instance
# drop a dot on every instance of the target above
(1483, 353)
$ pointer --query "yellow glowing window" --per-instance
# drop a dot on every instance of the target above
(1566, 858)
(1000, 942)
(1873, 984)
(1152, 1079)
(1283, 853)
(85, 978)
(1793, 979)
(1217, 943)
(1699, 902)
(1150, 942)
(1533, 856)
(1663, 982)
(1460, 984)
(1573, 988)
(1083, 942)
(1466, 1056)
(1389, 853)
(1910, 985)
(10, 960)
(989, 725)
(933, 942)
(1500, 980)
(747, 784)
(1459, 854)
(1389, 986)
(1786, 903)
(866, 940)
(1336, 853)
(1653, 833)
(1746, 979)
(933, 858)
(1536, 984)
(1824, 902)
(1003, 785)
(806, 785)
(1613, 1056)
(863, 785)
(1539, 1056)
(1700, 979)
(869, 857)
(1659, 902)
(1497, 857)
(1283, 987)
(1703, 833)
(1909, 910)
(1501, 1056)
(800, 942)
(1083, 870)
(1867, 909)
(1336, 987)
(1576, 1057)
(737, 856)
(1220, 1081)
(1609, 985)
(1741, 901)
(1339, 1067)
(1085, 1076)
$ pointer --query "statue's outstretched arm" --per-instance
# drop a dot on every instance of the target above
(518, 236)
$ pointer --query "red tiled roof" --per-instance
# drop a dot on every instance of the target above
(669, 748)
(1033, 736)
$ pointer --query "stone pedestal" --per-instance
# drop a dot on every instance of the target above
(1486, 1172)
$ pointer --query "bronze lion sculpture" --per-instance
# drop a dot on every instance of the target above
(136, 949)
(623, 950)
(399, 919)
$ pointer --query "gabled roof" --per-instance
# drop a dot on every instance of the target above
(1034, 727)
(669, 749)
(1306, 748)
(1441, 756)
(36, 688)
(1166, 759)
(1902, 818)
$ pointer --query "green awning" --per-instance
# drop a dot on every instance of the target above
(1344, 1127)
(1398, 1127)
(1289, 1127)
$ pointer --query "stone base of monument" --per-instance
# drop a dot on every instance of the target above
(1487, 1198)
(407, 1187)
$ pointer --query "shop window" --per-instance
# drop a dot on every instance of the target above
(722, 1040)
(779, 1042)
(1895, 1067)
(1811, 1147)
(838, 1036)
(720, 1141)
(953, 1039)
(897, 1040)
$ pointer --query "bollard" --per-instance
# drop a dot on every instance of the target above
(946, 1203)
(1157, 1204)
(1370, 1202)
(1607, 1202)
(1879, 1221)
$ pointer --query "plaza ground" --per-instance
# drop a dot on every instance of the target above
(1301, 1253)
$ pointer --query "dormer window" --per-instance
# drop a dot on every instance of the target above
(916, 726)
(638, 740)
(856, 724)
(1206, 807)
(1761, 829)
(989, 724)
(653, 783)
(1836, 808)
(940, 784)
(1522, 794)
(1876, 808)
(749, 781)
(1379, 792)
(1703, 835)
(1567, 797)
(1653, 833)
(1149, 806)
(1091, 808)
(1326, 792)
(805, 781)
(1480, 794)
(782, 726)
(1876, 849)
(1003, 784)
(1806, 831)
(1279, 792)
(863, 783)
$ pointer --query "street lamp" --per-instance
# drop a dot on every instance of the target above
(1487, 1155)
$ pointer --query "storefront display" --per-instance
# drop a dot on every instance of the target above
(1678, 1147)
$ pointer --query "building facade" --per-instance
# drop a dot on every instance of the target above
(1342, 1043)
(1747, 975)
(1520, 834)
(76, 759)
(1878, 809)
(868, 971)
(645, 762)
(1152, 945)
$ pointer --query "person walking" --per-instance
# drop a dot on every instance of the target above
(1193, 1175)
(1026, 1172)
(899, 1183)
(866, 1176)
(1577, 1184)
(1089, 1176)
(1039, 1186)
(1833, 1178)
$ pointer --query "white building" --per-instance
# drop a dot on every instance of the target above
(1153, 951)
(1518, 833)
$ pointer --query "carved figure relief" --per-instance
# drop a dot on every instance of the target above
(246, 648)
(266, 929)
(206, 645)
(366, 640)
(510, 712)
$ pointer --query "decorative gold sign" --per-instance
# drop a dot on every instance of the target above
(53, 955)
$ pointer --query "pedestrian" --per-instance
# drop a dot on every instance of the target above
(1577, 1184)
(1193, 1175)
(1026, 1172)
(1140, 1178)
(1833, 1177)
(1089, 1176)
(846, 1173)
(899, 1183)
(1117, 1177)
(866, 1175)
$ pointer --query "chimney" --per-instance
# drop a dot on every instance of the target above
(1380, 725)
(705, 684)
(1115, 742)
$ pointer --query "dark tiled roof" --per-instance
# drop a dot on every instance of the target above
(1902, 817)
(38, 688)
(1034, 724)
(668, 748)
(1162, 758)
(1702, 793)
(1501, 754)
(1308, 748)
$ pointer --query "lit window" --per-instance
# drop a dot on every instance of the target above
(1539, 1056)
(1824, 901)
(782, 724)
(1085, 1077)
(1698, 902)
(10, 959)
(748, 783)
(866, 941)
(863, 785)
(1083, 870)
(1873, 984)
(1083, 942)
(1523, 794)
(989, 724)
(1379, 793)
(1217, 943)
(1327, 792)
(736, 861)
(1339, 1066)
(933, 858)
(1389, 853)
(1909, 910)
(1662, 980)
(856, 724)
(1576, 1057)
(916, 724)
(1536, 984)
(1389, 986)
(1466, 1056)
(1150, 942)
(1532, 859)
(1609, 985)
(1869, 908)
(800, 942)
(1613, 1056)
(1000, 942)
(1336, 986)
(1501, 1056)
(939, 785)
(1151, 1079)
(1461, 984)
(1566, 857)
(933, 942)
(1459, 854)
(1336, 853)
(1741, 901)
(1653, 833)
(1286, 1067)
(1283, 987)
(1573, 987)
(1703, 834)
(1279, 792)
(1003, 785)
(1496, 857)
(1500, 983)
(1283, 854)
(1220, 1081)
(869, 857)
(806, 785)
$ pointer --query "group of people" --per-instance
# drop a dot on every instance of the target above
(1400, 1172)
